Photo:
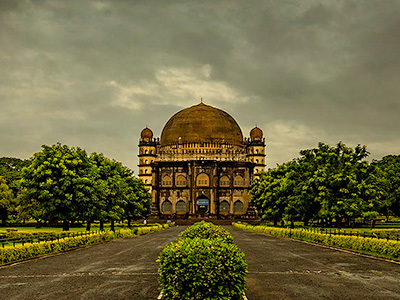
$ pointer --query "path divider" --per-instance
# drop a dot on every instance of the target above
(371, 246)
(204, 263)
(36, 249)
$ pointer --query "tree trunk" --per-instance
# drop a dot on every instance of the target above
(305, 221)
(292, 223)
(338, 222)
(275, 222)
(101, 225)
(112, 226)
(88, 223)
(129, 222)
(373, 223)
(65, 225)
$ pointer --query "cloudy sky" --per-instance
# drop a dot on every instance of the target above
(94, 73)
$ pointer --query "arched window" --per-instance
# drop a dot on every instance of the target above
(146, 151)
(145, 171)
(238, 181)
(146, 161)
(224, 181)
(238, 206)
(145, 181)
(257, 161)
(256, 150)
(202, 180)
(181, 207)
(166, 206)
(180, 180)
(167, 181)
(224, 207)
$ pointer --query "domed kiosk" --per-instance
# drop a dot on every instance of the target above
(201, 166)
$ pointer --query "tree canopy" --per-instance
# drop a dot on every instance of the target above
(327, 184)
(66, 184)
(10, 170)
(6, 199)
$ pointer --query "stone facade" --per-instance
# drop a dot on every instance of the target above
(205, 171)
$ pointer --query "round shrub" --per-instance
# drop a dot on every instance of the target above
(206, 230)
(200, 269)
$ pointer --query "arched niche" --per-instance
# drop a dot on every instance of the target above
(238, 206)
(181, 181)
(166, 207)
(181, 207)
(238, 181)
(166, 180)
(224, 207)
(202, 180)
(224, 181)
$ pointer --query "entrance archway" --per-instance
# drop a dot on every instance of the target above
(202, 205)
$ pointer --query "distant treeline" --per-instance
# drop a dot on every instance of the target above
(62, 183)
(329, 185)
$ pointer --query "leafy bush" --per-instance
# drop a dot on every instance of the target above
(372, 246)
(201, 268)
(207, 230)
(392, 233)
(27, 234)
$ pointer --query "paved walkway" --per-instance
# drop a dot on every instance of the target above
(286, 269)
(127, 269)
(123, 269)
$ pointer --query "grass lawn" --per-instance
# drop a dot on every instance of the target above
(45, 229)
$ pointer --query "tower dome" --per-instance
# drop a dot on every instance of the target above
(256, 134)
(146, 133)
(201, 123)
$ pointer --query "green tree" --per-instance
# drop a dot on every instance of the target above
(60, 180)
(138, 199)
(337, 180)
(10, 170)
(110, 176)
(6, 200)
(387, 175)
(268, 194)
(325, 183)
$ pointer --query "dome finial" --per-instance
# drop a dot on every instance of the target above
(201, 100)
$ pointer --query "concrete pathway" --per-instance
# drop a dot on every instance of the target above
(123, 269)
(286, 269)
(127, 269)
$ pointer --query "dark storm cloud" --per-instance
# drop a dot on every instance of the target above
(94, 73)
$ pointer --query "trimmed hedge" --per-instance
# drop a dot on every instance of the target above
(208, 266)
(207, 230)
(373, 246)
(18, 253)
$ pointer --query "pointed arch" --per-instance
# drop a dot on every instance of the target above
(166, 180)
(238, 206)
(202, 180)
(181, 207)
(224, 207)
(181, 181)
(224, 181)
(166, 207)
(238, 181)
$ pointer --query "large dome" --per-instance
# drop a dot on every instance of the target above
(201, 123)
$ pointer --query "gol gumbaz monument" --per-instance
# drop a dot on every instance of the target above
(202, 166)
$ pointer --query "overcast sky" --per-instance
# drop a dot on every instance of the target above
(94, 73)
